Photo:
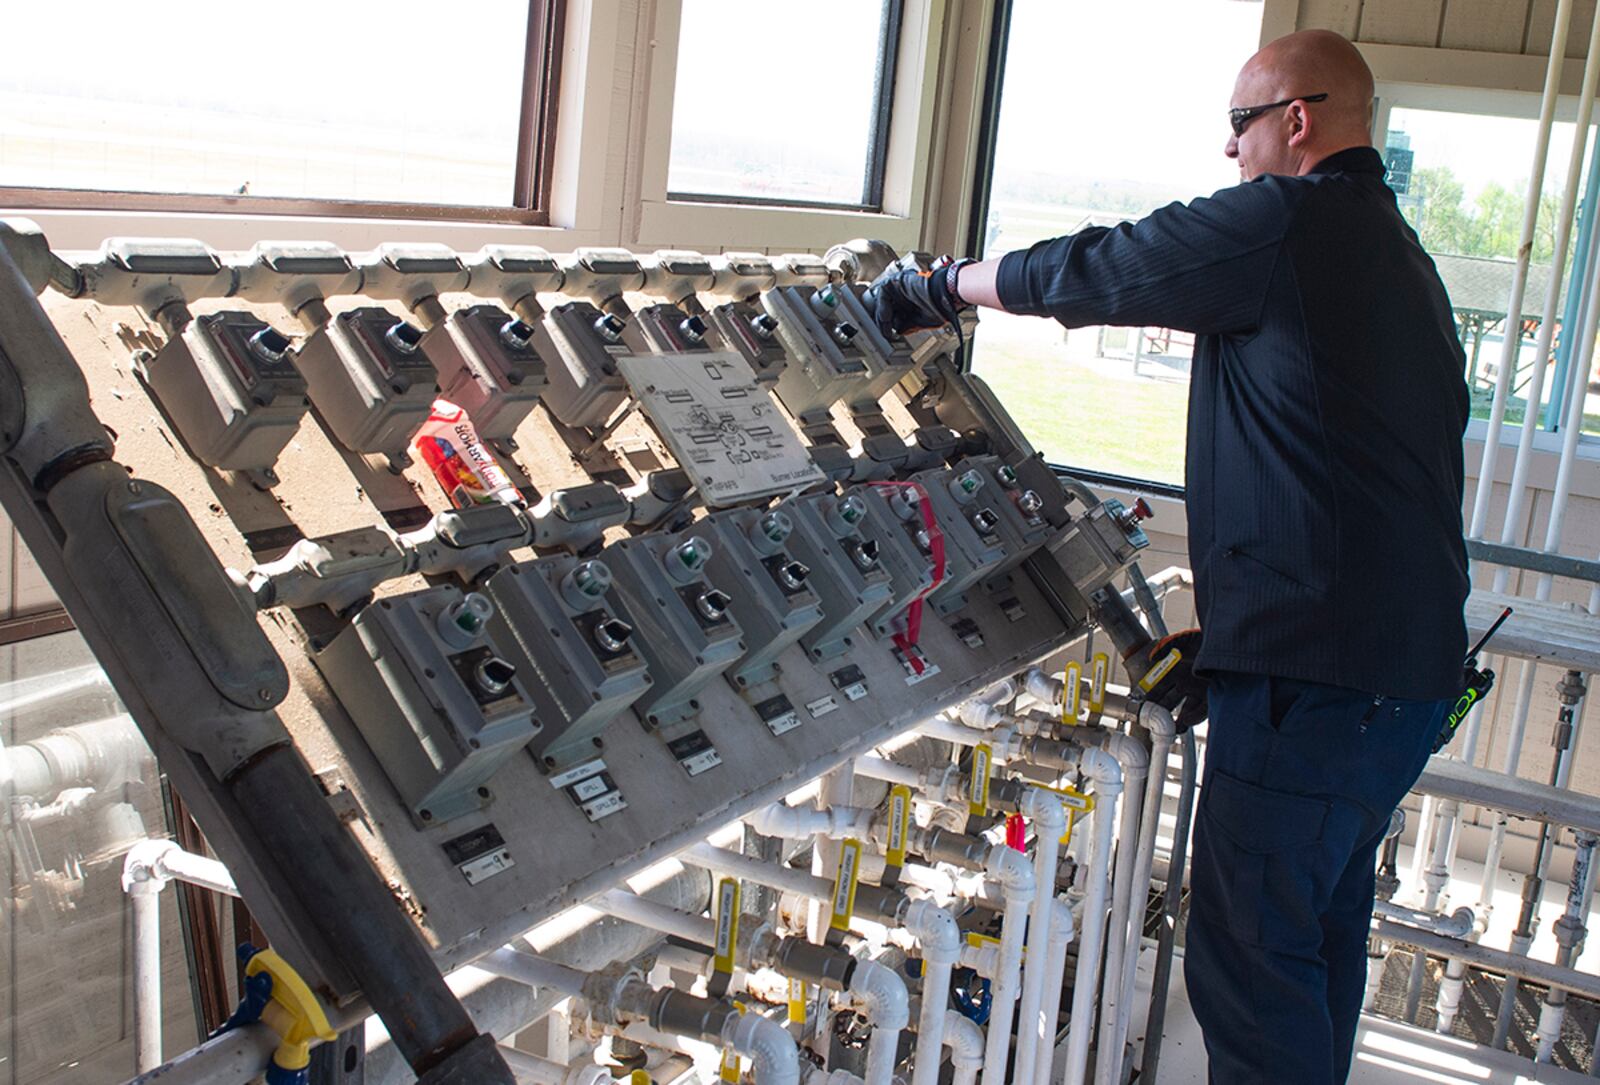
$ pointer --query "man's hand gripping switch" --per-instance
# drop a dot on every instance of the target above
(1171, 682)
(907, 299)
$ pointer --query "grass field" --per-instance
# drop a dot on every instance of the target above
(1081, 410)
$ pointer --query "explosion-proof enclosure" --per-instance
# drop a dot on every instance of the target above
(972, 547)
(430, 687)
(826, 364)
(752, 331)
(905, 552)
(845, 572)
(230, 388)
(770, 589)
(585, 386)
(370, 380)
(569, 632)
(489, 365)
(686, 633)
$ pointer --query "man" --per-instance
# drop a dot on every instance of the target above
(1324, 479)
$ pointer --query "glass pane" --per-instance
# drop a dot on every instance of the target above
(735, 134)
(1462, 179)
(1070, 153)
(65, 923)
(302, 99)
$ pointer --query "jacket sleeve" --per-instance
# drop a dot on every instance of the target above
(1201, 267)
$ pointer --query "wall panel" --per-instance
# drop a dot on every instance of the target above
(1343, 16)
(1400, 22)
(1491, 25)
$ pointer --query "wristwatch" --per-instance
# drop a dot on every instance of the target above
(952, 290)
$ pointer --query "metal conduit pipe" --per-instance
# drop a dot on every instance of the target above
(1106, 773)
(1512, 345)
(1569, 930)
(1458, 924)
(236, 1056)
(1494, 960)
(1159, 723)
(1171, 907)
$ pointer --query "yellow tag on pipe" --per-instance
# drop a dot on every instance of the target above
(978, 941)
(899, 824)
(978, 785)
(798, 996)
(1099, 672)
(844, 885)
(727, 936)
(1159, 671)
(1072, 693)
(1077, 804)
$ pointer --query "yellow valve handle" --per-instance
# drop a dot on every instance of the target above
(1099, 672)
(1072, 693)
(293, 1013)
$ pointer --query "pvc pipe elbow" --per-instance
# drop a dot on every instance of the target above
(1046, 810)
(1129, 752)
(882, 995)
(935, 929)
(964, 1036)
(981, 715)
(767, 1044)
(142, 869)
(1103, 768)
(1014, 872)
(1061, 923)
(1157, 720)
(589, 1075)
(1043, 688)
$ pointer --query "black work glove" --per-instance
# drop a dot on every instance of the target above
(910, 299)
(1179, 690)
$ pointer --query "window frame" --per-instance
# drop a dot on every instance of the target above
(531, 187)
(890, 29)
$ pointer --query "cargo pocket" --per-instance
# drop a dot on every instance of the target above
(1265, 847)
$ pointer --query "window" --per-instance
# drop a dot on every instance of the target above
(1461, 179)
(739, 137)
(1133, 117)
(308, 107)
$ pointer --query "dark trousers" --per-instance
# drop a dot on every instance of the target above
(1295, 799)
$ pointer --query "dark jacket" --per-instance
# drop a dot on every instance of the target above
(1326, 411)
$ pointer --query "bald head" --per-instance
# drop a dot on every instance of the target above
(1296, 137)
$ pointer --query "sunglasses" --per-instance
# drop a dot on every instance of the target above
(1242, 116)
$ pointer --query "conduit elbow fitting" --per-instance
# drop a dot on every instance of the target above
(965, 1039)
(142, 870)
(935, 929)
(881, 994)
(767, 1044)
(1043, 688)
(1103, 769)
(1157, 720)
(981, 715)
(1014, 872)
(1045, 808)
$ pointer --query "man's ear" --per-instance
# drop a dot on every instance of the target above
(1299, 124)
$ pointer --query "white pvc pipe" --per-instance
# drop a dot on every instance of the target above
(838, 789)
(1049, 824)
(965, 1038)
(774, 875)
(881, 996)
(532, 1070)
(774, 1058)
(1511, 348)
(802, 822)
(1135, 762)
(657, 917)
(1015, 874)
(1163, 731)
(146, 899)
(512, 964)
(1055, 974)
(1104, 770)
(936, 932)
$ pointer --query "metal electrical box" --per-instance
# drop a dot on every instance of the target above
(436, 696)
(570, 634)
(489, 366)
(905, 552)
(370, 380)
(770, 588)
(585, 386)
(845, 571)
(826, 363)
(972, 547)
(232, 392)
(688, 636)
(752, 331)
